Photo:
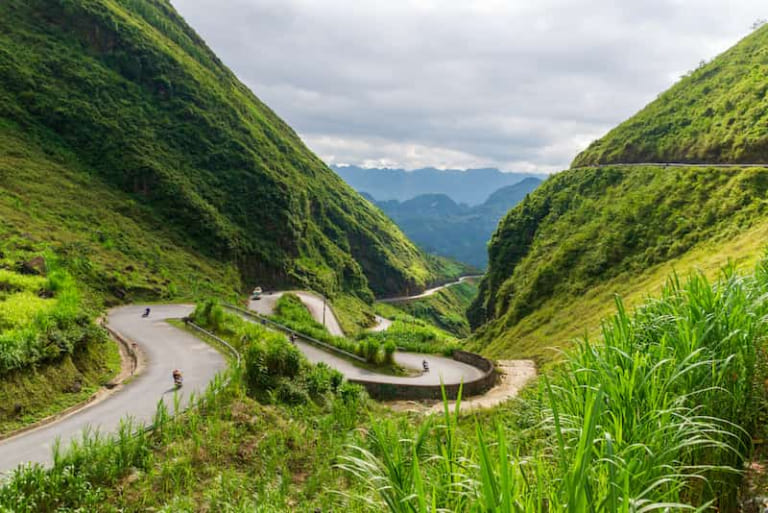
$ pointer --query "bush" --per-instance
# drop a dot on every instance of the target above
(289, 392)
(275, 369)
(351, 392)
(389, 352)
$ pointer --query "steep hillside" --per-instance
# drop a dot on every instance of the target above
(717, 113)
(472, 186)
(558, 258)
(597, 230)
(123, 101)
(441, 226)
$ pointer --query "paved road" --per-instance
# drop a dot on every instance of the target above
(676, 164)
(447, 369)
(314, 302)
(427, 292)
(165, 347)
(382, 324)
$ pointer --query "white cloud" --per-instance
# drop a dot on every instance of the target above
(455, 83)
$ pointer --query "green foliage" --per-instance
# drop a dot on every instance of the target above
(656, 417)
(408, 333)
(716, 113)
(585, 227)
(446, 309)
(228, 453)
(274, 369)
(42, 320)
(131, 105)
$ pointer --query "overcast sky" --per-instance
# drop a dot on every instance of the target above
(521, 85)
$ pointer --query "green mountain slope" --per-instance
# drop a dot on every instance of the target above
(141, 116)
(558, 258)
(716, 114)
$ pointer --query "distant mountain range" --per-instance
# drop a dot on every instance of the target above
(472, 186)
(440, 225)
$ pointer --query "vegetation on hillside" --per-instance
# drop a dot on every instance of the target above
(265, 439)
(128, 104)
(584, 228)
(46, 329)
(656, 416)
(440, 225)
(446, 309)
(716, 113)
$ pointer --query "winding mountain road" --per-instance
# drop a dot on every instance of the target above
(441, 368)
(426, 293)
(165, 348)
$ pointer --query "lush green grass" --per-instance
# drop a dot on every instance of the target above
(183, 149)
(52, 355)
(29, 395)
(446, 309)
(656, 416)
(716, 113)
(265, 439)
(410, 333)
(587, 233)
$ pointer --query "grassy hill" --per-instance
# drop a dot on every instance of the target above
(139, 166)
(588, 233)
(717, 113)
(124, 102)
(557, 260)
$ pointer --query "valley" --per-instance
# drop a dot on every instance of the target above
(591, 340)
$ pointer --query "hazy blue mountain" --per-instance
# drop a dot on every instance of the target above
(472, 186)
(440, 225)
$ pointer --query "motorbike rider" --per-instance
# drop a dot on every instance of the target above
(146, 312)
(177, 378)
(425, 365)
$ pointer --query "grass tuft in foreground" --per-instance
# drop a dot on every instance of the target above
(656, 417)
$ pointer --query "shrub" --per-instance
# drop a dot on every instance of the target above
(289, 392)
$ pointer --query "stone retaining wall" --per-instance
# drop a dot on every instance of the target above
(389, 391)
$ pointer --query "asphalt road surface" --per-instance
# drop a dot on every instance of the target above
(426, 293)
(166, 348)
(441, 368)
(313, 302)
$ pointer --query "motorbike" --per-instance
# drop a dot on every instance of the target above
(425, 365)
(178, 379)
(146, 313)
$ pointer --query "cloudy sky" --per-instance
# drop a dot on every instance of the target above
(521, 85)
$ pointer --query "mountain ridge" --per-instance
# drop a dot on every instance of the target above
(619, 220)
(714, 114)
(471, 186)
(131, 93)
(440, 225)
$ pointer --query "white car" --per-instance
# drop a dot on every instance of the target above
(256, 294)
